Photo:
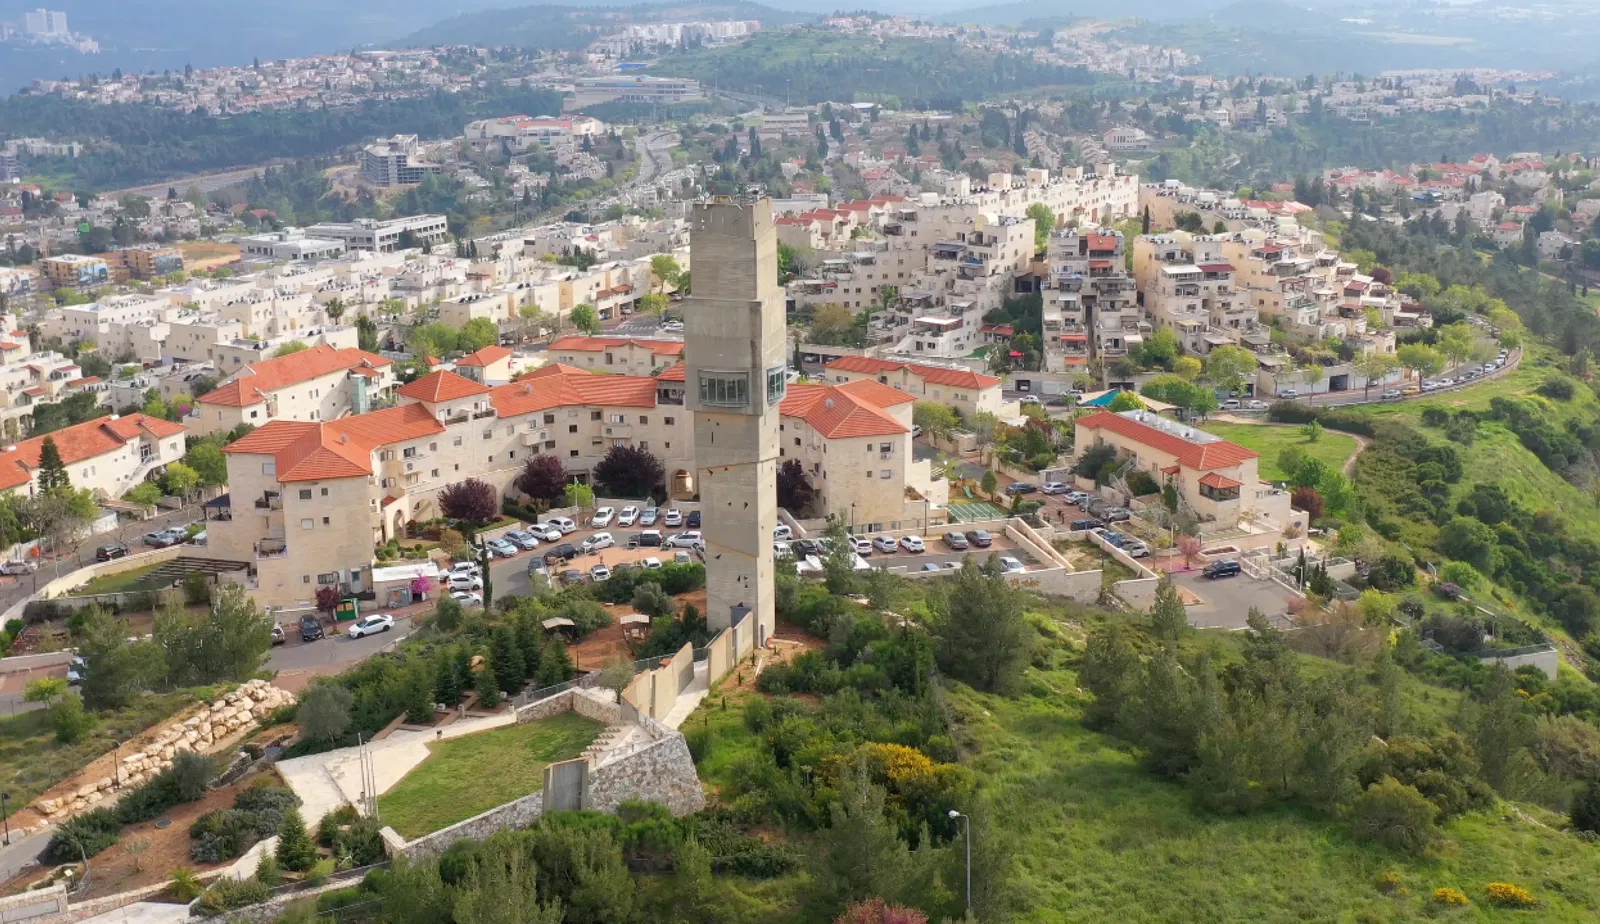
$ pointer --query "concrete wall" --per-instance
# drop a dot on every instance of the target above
(1547, 660)
(35, 906)
(565, 783)
(1082, 586)
(1139, 593)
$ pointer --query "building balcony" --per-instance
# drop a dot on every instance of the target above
(271, 548)
(487, 412)
(270, 502)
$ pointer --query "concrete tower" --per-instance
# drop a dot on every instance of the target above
(735, 353)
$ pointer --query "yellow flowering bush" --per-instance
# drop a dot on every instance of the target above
(1509, 895)
(1389, 883)
(1449, 896)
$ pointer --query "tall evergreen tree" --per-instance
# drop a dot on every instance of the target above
(53, 477)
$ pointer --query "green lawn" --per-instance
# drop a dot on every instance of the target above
(1333, 447)
(120, 582)
(465, 776)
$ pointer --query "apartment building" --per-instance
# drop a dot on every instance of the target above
(967, 391)
(1090, 306)
(662, 91)
(109, 456)
(147, 262)
(290, 244)
(320, 383)
(617, 355)
(110, 323)
(488, 366)
(1189, 288)
(522, 132)
(75, 271)
(385, 235)
(395, 162)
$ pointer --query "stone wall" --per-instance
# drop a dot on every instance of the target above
(516, 814)
(660, 772)
(205, 731)
(35, 905)
(1082, 586)
(591, 704)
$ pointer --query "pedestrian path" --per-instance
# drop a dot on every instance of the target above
(689, 697)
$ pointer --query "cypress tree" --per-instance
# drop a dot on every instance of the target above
(53, 478)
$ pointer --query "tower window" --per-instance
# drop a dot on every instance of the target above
(777, 381)
(725, 389)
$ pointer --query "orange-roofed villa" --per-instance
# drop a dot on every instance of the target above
(108, 456)
(309, 500)
(1220, 480)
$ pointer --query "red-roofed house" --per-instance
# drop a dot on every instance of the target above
(320, 383)
(109, 455)
(1219, 479)
(620, 355)
(967, 391)
(488, 366)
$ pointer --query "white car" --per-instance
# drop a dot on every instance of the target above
(546, 532)
(628, 516)
(465, 582)
(597, 542)
(782, 550)
(1009, 565)
(884, 543)
(863, 547)
(683, 540)
(911, 543)
(599, 573)
(502, 548)
(603, 517)
(673, 517)
(681, 557)
(563, 524)
(782, 533)
(1232, 404)
(1055, 487)
(463, 567)
(371, 625)
(1028, 399)
(467, 597)
(648, 518)
(650, 563)
(1255, 404)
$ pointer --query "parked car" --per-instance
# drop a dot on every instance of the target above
(1136, 549)
(1079, 526)
(648, 538)
(522, 539)
(546, 532)
(1288, 394)
(673, 517)
(110, 551)
(650, 564)
(693, 521)
(465, 582)
(1011, 565)
(782, 533)
(782, 550)
(1255, 404)
(165, 537)
(683, 540)
(1021, 487)
(955, 541)
(76, 668)
(19, 566)
(648, 518)
(884, 543)
(466, 597)
(1232, 404)
(571, 576)
(1116, 514)
(371, 625)
(628, 516)
(599, 573)
(980, 538)
(682, 558)
(930, 566)
(1221, 569)
(1410, 390)
(603, 517)
(463, 567)
(1055, 487)
(1028, 399)
(310, 629)
(278, 638)
(911, 543)
(863, 547)
(1077, 497)
(564, 524)
(805, 548)
(502, 548)
(1391, 394)
(597, 542)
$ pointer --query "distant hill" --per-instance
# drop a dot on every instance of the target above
(1046, 11)
(575, 25)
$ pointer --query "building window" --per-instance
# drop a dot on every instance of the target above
(410, 452)
(572, 428)
(725, 389)
(616, 419)
(305, 493)
(573, 453)
(331, 577)
(308, 523)
(884, 474)
(324, 492)
(669, 421)
(326, 522)
(434, 474)
(886, 447)
(269, 468)
(549, 418)
(488, 434)
(595, 415)
(643, 420)
(458, 441)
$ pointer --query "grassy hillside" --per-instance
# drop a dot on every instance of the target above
(1332, 448)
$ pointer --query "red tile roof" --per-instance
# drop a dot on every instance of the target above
(591, 344)
(875, 392)
(1199, 456)
(1102, 242)
(1213, 480)
(1216, 267)
(485, 356)
(80, 442)
(838, 414)
(563, 386)
(677, 372)
(306, 451)
(443, 385)
(939, 375)
(252, 383)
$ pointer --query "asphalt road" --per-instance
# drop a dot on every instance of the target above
(128, 533)
(653, 156)
(334, 651)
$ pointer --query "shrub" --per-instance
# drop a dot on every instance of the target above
(328, 827)
(1388, 883)
(295, 849)
(268, 872)
(1395, 815)
(1560, 388)
(1449, 896)
(228, 893)
(226, 834)
(83, 836)
(1459, 573)
(1508, 895)
(184, 884)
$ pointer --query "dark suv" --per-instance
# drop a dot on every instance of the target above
(980, 538)
(111, 550)
(310, 629)
(566, 551)
(1221, 569)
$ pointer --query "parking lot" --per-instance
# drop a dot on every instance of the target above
(1225, 603)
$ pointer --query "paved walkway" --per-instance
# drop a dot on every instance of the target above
(690, 696)
(143, 913)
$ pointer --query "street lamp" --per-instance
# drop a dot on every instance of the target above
(5, 814)
(968, 826)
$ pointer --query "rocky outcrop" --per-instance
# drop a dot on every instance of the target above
(203, 732)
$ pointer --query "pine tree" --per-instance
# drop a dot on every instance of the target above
(53, 477)
(555, 666)
(420, 700)
(530, 642)
(295, 849)
(1586, 808)
(488, 688)
(447, 681)
(506, 660)
(1168, 621)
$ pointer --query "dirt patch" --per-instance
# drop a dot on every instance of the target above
(788, 641)
(601, 647)
(147, 853)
